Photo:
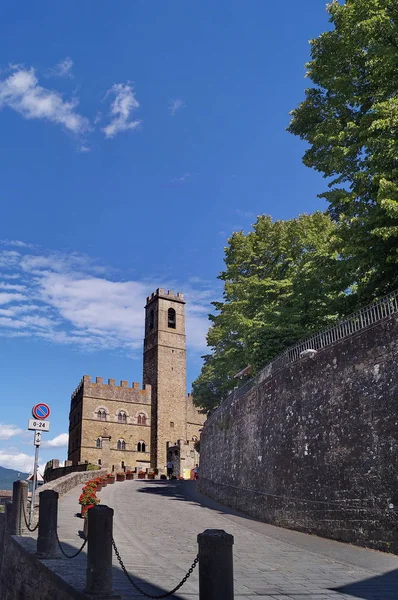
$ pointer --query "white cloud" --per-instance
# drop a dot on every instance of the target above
(17, 243)
(197, 325)
(175, 105)
(122, 108)
(6, 298)
(21, 92)
(60, 441)
(15, 309)
(19, 461)
(245, 213)
(63, 68)
(9, 258)
(10, 286)
(69, 299)
(181, 178)
(8, 431)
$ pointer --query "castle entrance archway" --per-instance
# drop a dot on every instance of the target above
(173, 455)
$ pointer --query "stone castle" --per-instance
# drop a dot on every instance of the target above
(117, 426)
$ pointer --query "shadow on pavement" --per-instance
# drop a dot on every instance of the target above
(73, 572)
(380, 587)
(186, 491)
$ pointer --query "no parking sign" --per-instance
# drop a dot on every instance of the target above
(41, 411)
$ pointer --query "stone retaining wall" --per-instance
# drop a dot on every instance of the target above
(34, 579)
(52, 472)
(24, 577)
(315, 446)
(66, 483)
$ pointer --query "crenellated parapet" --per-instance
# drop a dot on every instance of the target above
(111, 391)
(167, 295)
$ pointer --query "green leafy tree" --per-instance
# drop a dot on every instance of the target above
(350, 120)
(279, 285)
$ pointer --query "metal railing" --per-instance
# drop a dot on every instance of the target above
(363, 318)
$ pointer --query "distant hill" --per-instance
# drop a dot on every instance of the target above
(8, 476)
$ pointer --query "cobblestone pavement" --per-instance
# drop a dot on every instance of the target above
(155, 528)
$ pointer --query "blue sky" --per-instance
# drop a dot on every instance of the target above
(135, 137)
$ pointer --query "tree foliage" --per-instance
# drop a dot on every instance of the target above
(350, 120)
(286, 279)
(279, 285)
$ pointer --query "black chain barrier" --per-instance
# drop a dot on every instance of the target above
(63, 551)
(26, 520)
(141, 591)
(56, 535)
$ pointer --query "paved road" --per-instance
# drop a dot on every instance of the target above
(155, 529)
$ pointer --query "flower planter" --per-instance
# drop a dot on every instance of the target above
(93, 488)
(141, 475)
(104, 483)
(99, 487)
(111, 480)
(151, 475)
(120, 477)
(84, 508)
(129, 476)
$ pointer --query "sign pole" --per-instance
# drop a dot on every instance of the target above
(40, 412)
(36, 441)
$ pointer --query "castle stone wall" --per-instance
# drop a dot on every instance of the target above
(315, 446)
(169, 415)
(85, 427)
(194, 420)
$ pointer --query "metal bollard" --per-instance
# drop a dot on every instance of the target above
(99, 555)
(48, 520)
(19, 502)
(216, 581)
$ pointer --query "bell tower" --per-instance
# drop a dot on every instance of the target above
(165, 371)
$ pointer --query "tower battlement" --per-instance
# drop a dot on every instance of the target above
(99, 381)
(167, 294)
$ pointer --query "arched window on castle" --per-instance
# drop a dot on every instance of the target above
(101, 414)
(141, 419)
(122, 417)
(98, 443)
(171, 318)
(121, 445)
(141, 447)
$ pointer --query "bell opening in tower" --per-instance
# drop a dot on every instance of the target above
(171, 318)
